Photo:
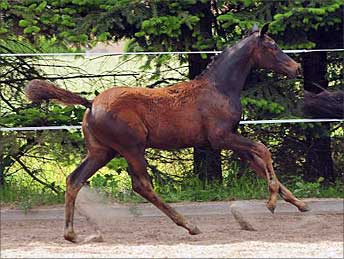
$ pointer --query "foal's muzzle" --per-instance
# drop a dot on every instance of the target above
(293, 70)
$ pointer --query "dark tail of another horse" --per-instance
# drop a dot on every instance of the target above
(38, 90)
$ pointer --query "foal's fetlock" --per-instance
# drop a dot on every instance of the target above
(273, 188)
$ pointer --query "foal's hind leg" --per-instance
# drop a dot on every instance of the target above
(141, 184)
(96, 158)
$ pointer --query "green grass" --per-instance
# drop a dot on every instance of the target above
(191, 189)
(118, 188)
(194, 190)
(27, 196)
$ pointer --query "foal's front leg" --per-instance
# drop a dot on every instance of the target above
(260, 160)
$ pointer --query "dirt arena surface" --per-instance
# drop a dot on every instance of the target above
(143, 232)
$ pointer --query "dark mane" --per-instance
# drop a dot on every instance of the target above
(225, 54)
(213, 61)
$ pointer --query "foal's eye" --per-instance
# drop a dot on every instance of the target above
(273, 45)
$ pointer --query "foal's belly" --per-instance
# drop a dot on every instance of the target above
(172, 132)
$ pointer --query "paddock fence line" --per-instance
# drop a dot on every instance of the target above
(149, 53)
(282, 121)
(86, 54)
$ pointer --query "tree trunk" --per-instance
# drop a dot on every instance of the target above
(207, 162)
(318, 158)
(2, 177)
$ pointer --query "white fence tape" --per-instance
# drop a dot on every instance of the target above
(241, 122)
(148, 53)
(40, 128)
(290, 121)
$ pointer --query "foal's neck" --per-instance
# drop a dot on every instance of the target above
(228, 72)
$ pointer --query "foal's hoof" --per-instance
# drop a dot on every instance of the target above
(304, 208)
(194, 231)
(70, 236)
(271, 208)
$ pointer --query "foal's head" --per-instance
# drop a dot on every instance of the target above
(268, 55)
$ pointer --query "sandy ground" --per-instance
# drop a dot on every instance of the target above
(282, 235)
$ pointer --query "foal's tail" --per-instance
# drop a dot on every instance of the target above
(38, 90)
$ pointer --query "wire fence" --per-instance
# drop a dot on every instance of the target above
(282, 121)
(150, 53)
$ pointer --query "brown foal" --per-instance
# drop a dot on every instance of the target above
(202, 112)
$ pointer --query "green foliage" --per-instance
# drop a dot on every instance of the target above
(40, 115)
(307, 21)
(305, 189)
(308, 189)
(31, 29)
(23, 23)
(165, 22)
(263, 105)
(24, 153)
(116, 187)
(118, 165)
(26, 197)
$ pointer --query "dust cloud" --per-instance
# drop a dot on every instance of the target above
(99, 211)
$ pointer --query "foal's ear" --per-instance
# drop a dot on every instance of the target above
(255, 28)
(264, 30)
